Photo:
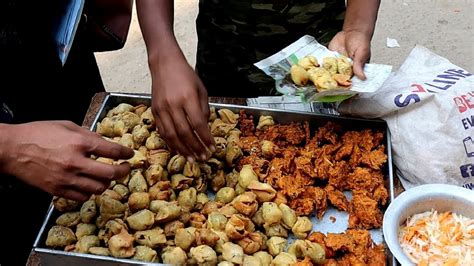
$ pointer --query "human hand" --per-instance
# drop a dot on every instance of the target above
(181, 109)
(354, 44)
(55, 157)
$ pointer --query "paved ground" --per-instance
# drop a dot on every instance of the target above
(446, 27)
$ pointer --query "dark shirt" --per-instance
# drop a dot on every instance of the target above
(33, 79)
(6, 115)
(35, 86)
(235, 34)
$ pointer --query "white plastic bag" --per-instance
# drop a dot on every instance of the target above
(429, 107)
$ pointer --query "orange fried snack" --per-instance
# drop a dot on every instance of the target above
(293, 185)
(362, 242)
(246, 124)
(277, 168)
(337, 198)
(338, 173)
(306, 262)
(376, 255)
(364, 212)
(380, 195)
(320, 238)
(350, 259)
(310, 200)
(349, 140)
(363, 179)
(370, 140)
(250, 145)
(354, 247)
(328, 133)
(340, 242)
(323, 165)
(305, 165)
(302, 206)
(330, 262)
(285, 135)
(375, 159)
(356, 156)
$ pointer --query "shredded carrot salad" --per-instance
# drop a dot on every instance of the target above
(433, 238)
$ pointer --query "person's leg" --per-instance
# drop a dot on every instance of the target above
(23, 212)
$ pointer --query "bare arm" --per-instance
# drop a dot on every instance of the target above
(361, 16)
(356, 35)
(156, 22)
(180, 102)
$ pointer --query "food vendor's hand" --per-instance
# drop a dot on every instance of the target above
(181, 109)
(354, 44)
(55, 157)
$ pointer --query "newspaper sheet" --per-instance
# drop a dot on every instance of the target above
(278, 67)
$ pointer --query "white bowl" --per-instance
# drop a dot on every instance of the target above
(439, 197)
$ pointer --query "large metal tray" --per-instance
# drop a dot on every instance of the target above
(41, 254)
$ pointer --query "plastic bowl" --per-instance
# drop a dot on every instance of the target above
(439, 197)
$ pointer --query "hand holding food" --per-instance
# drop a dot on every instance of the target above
(354, 44)
(180, 106)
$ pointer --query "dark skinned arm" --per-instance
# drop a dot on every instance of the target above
(354, 39)
(179, 99)
(55, 156)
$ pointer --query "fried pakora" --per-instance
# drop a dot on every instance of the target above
(380, 195)
(305, 165)
(306, 262)
(293, 185)
(335, 159)
(285, 135)
(328, 133)
(250, 144)
(340, 242)
(364, 212)
(354, 247)
(376, 255)
(246, 124)
(337, 198)
(363, 179)
(375, 159)
(311, 199)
